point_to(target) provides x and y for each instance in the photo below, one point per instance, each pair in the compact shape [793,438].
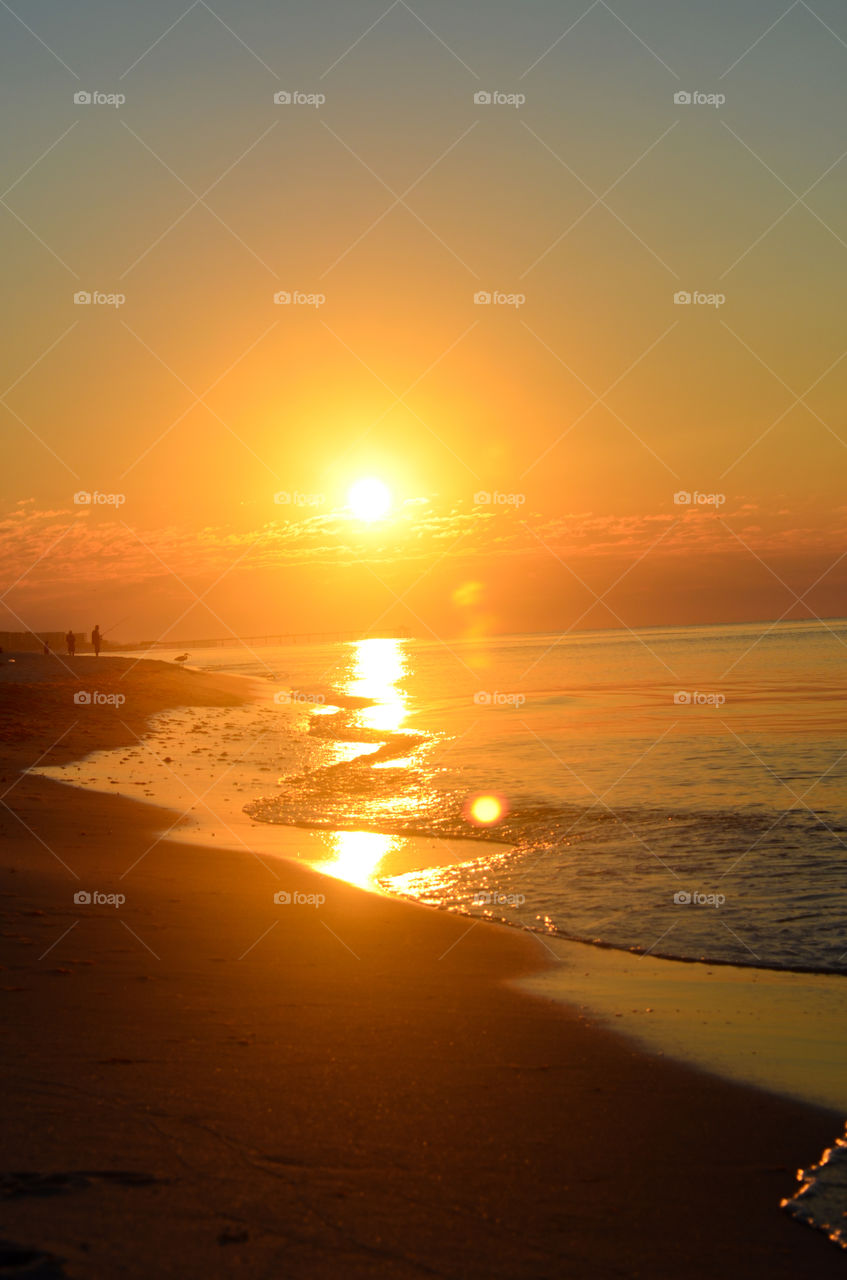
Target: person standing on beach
[95,640]
[70,641]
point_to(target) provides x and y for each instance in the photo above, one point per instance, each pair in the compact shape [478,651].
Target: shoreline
[686,1016]
[733,1022]
[355,1085]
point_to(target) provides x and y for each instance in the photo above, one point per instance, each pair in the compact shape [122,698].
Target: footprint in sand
[35,1264]
[15,1185]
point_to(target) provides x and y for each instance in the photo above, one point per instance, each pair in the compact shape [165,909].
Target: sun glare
[485,810]
[369,499]
[356,856]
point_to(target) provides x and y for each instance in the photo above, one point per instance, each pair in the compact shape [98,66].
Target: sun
[369,499]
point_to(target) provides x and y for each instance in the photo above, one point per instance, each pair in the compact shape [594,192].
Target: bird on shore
[183,657]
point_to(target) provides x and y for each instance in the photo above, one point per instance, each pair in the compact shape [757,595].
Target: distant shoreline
[21,642]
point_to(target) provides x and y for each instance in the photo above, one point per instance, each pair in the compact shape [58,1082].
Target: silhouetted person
[70,641]
[46,648]
[95,640]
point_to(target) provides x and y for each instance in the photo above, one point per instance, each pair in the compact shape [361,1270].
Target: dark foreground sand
[359,1094]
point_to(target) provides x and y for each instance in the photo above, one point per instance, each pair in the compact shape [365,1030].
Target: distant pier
[280,640]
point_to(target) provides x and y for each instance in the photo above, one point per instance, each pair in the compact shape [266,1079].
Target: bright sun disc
[369,499]
[484,811]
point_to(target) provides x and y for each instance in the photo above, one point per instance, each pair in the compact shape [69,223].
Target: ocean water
[678,791]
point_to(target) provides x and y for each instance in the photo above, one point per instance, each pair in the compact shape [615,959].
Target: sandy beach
[202,1081]
[423,776]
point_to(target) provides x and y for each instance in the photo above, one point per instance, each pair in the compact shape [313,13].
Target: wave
[753,886]
[820,1201]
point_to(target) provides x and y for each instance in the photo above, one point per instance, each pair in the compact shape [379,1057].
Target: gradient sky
[399,199]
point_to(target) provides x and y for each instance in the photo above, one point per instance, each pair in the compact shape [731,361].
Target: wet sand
[204,1082]
[783,1031]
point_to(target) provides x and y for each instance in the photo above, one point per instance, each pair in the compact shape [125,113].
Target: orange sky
[585,404]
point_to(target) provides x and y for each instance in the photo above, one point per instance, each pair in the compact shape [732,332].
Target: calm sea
[680,791]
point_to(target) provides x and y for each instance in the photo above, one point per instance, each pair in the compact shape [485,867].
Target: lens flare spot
[486,810]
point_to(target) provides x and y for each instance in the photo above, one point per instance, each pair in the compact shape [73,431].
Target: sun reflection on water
[376,670]
[356,856]
[378,665]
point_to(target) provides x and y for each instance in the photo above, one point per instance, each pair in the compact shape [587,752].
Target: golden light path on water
[377,667]
[356,856]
